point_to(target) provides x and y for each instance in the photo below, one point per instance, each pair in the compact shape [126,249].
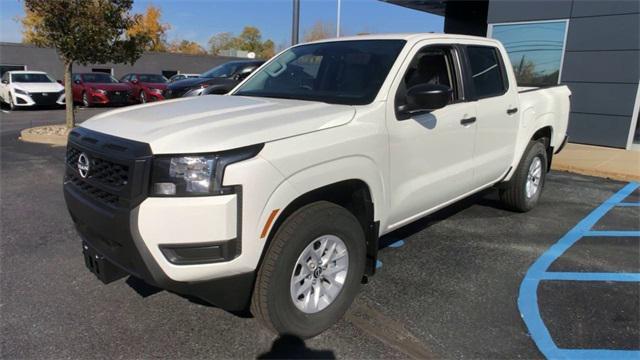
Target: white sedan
[30,88]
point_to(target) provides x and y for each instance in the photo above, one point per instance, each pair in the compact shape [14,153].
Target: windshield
[341,72]
[99,78]
[31,78]
[224,70]
[152,78]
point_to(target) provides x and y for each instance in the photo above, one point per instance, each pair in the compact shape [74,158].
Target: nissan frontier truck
[272,198]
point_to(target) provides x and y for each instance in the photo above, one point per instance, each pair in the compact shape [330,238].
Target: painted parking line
[528,298]
[629,204]
[397,244]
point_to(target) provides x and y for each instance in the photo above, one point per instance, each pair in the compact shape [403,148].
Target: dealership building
[593,47]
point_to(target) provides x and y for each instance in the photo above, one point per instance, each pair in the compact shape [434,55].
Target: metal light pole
[338,21]
[295,27]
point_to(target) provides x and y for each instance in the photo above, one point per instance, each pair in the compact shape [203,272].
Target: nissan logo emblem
[83,165]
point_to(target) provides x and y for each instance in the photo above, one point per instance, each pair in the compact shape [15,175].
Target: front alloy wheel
[311,271]
[143,97]
[85,100]
[319,274]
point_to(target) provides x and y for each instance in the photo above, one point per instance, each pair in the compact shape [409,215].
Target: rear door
[431,154]
[497,112]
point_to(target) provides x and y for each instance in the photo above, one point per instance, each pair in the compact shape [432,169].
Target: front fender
[317,176]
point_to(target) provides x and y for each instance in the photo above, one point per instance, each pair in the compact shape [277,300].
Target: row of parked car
[26,89]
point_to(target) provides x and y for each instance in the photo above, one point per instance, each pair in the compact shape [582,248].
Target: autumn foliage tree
[186,47]
[149,25]
[249,40]
[85,31]
[320,30]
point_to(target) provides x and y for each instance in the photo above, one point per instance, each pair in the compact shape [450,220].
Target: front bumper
[111,97]
[189,246]
[38,99]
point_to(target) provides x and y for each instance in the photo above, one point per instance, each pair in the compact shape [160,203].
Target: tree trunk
[68,94]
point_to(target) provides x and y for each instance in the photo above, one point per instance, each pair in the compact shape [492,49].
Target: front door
[431,154]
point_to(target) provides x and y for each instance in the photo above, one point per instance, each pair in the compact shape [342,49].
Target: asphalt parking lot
[454,285]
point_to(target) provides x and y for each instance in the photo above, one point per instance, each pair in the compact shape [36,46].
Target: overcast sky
[197,20]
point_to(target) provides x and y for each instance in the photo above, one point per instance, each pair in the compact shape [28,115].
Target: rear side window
[486,71]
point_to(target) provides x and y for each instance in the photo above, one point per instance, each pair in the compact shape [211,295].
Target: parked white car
[273,197]
[30,88]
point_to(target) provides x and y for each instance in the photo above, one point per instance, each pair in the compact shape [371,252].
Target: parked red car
[146,87]
[100,89]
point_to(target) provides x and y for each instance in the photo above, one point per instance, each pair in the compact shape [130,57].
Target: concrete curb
[39,135]
[595,172]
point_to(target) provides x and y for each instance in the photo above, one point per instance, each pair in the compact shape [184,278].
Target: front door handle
[512,111]
[468,121]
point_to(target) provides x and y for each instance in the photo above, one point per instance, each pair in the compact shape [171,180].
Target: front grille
[49,98]
[118,96]
[101,170]
[175,93]
[97,194]
[119,169]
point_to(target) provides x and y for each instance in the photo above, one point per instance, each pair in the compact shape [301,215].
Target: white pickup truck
[272,198]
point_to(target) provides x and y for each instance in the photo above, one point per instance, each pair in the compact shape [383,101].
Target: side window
[487,72]
[76,77]
[431,65]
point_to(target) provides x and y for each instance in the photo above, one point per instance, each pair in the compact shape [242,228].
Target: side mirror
[424,98]
[5,81]
[76,81]
[134,81]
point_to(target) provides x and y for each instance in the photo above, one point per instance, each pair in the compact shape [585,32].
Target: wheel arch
[353,194]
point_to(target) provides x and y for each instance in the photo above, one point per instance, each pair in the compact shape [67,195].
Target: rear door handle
[468,121]
[512,111]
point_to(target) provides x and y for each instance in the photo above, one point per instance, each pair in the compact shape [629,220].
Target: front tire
[523,191]
[311,272]
[85,100]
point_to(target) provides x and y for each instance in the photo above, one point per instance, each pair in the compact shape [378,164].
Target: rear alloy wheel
[143,97]
[523,191]
[85,99]
[311,271]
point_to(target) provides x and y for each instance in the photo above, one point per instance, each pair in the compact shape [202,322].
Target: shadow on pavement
[293,347]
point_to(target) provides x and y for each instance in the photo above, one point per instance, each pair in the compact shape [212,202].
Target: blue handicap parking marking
[528,298]
[630,204]
[397,244]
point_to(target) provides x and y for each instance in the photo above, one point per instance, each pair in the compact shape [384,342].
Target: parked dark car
[218,80]
[99,89]
[178,77]
[146,87]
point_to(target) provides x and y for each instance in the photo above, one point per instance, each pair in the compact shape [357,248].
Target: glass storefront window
[535,50]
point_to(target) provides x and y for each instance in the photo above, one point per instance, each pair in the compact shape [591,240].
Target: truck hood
[217,122]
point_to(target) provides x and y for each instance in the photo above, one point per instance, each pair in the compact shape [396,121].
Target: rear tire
[281,277]
[523,191]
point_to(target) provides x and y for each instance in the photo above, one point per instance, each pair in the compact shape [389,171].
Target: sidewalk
[599,161]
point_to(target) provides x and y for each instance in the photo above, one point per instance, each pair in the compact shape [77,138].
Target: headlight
[195,175]
[18,91]
[99,91]
[155,91]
